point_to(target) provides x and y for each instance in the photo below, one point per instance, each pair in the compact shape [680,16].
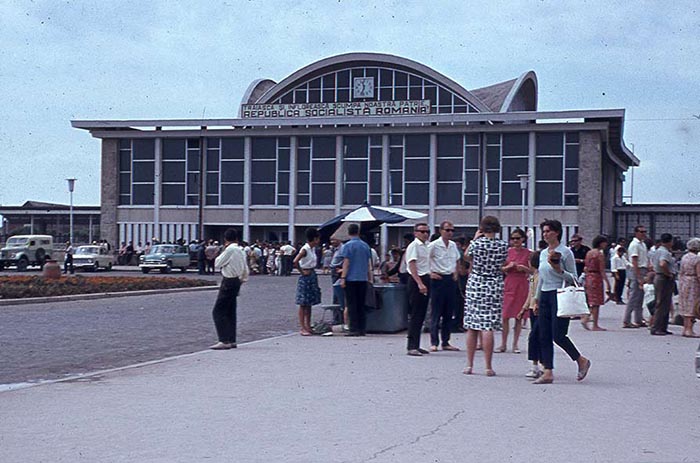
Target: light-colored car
[92,258]
[165,257]
[26,250]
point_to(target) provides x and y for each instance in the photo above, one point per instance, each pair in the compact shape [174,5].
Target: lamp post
[71,187]
[524,178]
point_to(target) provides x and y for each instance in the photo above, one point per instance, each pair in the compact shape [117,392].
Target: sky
[68,60]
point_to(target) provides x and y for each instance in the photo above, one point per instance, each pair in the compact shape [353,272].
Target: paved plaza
[323,399]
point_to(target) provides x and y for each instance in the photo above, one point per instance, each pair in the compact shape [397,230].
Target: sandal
[500,350]
[490,372]
[543,380]
[516,350]
[467,371]
[582,372]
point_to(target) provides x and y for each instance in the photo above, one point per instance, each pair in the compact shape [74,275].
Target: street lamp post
[71,187]
[524,178]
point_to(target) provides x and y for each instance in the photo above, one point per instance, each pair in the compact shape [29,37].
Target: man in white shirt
[418,262]
[443,255]
[287,252]
[639,262]
[234,270]
[618,267]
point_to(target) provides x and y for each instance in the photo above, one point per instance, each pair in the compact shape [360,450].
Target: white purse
[571,302]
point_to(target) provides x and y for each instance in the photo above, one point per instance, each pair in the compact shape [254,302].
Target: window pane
[324,147]
[344,79]
[303,160]
[231,194]
[549,168]
[144,149]
[493,157]
[472,157]
[124,144]
[548,194]
[417,146]
[212,160]
[375,158]
[416,194]
[472,182]
[449,169]
[396,200]
[303,200]
[355,170]
[124,160]
[192,200]
[515,144]
[212,200]
[173,195]
[283,183]
[450,146]
[493,139]
[232,148]
[263,171]
[572,137]
[173,148]
[355,193]
[283,159]
[124,200]
[142,195]
[262,194]
[173,171]
[264,148]
[396,182]
[513,167]
[471,200]
[449,194]
[550,143]
[303,182]
[193,184]
[193,160]
[400,93]
[572,156]
[511,195]
[355,147]
[323,194]
[396,158]
[375,182]
[212,183]
[417,169]
[144,171]
[124,183]
[492,200]
[571,181]
[232,171]
[492,181]
[571,200]
[400,79]
[323,171]
[282,199]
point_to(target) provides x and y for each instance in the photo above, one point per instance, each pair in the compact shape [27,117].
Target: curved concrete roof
[375,59]
[512,95]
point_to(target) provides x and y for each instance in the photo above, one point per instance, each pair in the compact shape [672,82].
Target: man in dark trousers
[418,262]
[665,268]
[234,270]
[354,276]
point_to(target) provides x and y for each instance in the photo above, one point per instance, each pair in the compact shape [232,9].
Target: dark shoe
[669,333]
[658,333]
[414,353]
[423,351]
[629,325]
[352,334]
[582,372]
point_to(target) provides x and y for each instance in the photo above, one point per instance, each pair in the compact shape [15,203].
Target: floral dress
[689,286]
[484,295]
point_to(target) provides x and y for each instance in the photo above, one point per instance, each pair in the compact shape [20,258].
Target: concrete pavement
[322,399]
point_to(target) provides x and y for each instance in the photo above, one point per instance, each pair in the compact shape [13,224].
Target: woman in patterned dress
[308,291]
[516,287]
[484,295]
[689,287]
[596,280]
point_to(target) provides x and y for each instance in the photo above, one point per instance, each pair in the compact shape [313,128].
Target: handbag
[571,302]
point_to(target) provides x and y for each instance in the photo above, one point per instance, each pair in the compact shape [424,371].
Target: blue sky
[63,60]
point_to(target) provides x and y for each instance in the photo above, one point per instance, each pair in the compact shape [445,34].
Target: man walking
[418,262]
[665,268]
[234,270]
[579,250]
[355,273]
[444,255]
[639,261]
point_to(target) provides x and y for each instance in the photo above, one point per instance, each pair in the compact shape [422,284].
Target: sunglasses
[423,231]
[449,230]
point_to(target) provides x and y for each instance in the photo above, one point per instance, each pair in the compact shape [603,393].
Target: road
[54,340]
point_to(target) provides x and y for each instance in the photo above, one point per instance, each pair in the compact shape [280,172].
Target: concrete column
[247,163]
[109,195]
[293,149]
[384,230]
[338,173]
[590,179]
[432,187]
[90,228]
[157,181]
[531,166]
[31,224]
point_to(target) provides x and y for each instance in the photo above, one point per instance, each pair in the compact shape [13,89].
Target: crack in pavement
[432,432]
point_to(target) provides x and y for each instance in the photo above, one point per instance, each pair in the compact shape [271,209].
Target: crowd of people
[485,284]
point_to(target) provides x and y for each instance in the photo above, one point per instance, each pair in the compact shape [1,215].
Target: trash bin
[392,314]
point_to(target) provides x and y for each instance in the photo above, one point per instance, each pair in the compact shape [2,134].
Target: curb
[85,297]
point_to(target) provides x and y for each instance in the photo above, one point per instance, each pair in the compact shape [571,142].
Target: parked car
[165,257]
[26,250]
[92,258]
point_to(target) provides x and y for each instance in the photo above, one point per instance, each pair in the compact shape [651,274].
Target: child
[533,340]
[308,291]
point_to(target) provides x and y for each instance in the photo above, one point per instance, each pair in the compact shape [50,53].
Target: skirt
[308,291]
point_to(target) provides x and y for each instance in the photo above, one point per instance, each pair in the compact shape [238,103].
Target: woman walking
[557,266]
[484,295]
[515,289]
[595,281]
[689,287]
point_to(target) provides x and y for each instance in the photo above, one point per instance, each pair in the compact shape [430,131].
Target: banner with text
[357,108]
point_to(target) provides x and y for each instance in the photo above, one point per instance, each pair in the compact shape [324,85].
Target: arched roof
[512,95]
[367,59]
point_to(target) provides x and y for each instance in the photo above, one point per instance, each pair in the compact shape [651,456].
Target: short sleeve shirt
[418,251]
[358,254]
[663,254]
[443,258]
[639,249]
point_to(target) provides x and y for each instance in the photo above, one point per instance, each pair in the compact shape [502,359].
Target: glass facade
[460,160]
[387,85]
